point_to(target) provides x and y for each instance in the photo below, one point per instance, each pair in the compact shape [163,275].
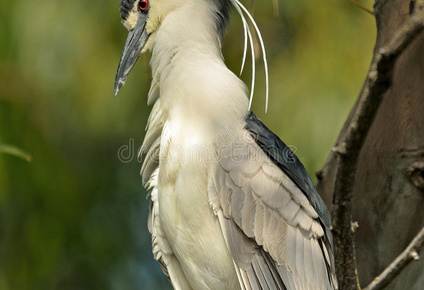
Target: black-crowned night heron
[231,206]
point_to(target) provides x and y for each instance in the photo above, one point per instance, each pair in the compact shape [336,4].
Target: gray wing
[275,234]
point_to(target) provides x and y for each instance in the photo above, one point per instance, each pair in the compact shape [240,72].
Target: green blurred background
[75,216]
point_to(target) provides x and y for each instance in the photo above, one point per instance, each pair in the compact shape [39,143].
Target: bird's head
[142,18]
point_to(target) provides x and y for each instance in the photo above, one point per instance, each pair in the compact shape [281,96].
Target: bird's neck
[189,74]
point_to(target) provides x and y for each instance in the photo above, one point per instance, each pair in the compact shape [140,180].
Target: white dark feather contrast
[231,207]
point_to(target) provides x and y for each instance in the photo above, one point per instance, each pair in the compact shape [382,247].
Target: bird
[231,206]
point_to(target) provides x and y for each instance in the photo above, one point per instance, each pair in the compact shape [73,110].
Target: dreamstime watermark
[238,153]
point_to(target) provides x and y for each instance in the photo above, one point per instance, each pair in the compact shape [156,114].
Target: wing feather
[249,208]
[272,230]
[239,179]
[258,222]
[237,202]
[256,270]
[308,262]
[300,245]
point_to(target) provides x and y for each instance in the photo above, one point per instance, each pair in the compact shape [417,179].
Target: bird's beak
[137,38]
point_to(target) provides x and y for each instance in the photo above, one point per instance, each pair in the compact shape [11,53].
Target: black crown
[125,8]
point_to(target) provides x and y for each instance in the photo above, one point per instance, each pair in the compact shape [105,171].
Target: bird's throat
[189,73]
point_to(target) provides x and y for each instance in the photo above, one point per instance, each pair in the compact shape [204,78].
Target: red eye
[143,5]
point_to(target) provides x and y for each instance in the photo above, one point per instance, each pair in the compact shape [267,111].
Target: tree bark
[388,191]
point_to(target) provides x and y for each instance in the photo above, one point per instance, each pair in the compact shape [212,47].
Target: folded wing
[278,238]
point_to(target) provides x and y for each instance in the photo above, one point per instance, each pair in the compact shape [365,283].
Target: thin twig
[377,84]
[362,7]
[410,254]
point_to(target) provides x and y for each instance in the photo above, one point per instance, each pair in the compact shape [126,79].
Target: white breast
[193,231]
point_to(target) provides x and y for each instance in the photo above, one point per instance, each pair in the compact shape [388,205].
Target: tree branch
[377,84]
[403,260]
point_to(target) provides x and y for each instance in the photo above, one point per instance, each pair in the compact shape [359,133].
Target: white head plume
[248,37]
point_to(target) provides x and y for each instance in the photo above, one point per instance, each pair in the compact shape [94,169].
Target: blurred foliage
[75,217]
[12,150]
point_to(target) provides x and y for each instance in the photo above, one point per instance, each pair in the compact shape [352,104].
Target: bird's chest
[190,226]
[186,159]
